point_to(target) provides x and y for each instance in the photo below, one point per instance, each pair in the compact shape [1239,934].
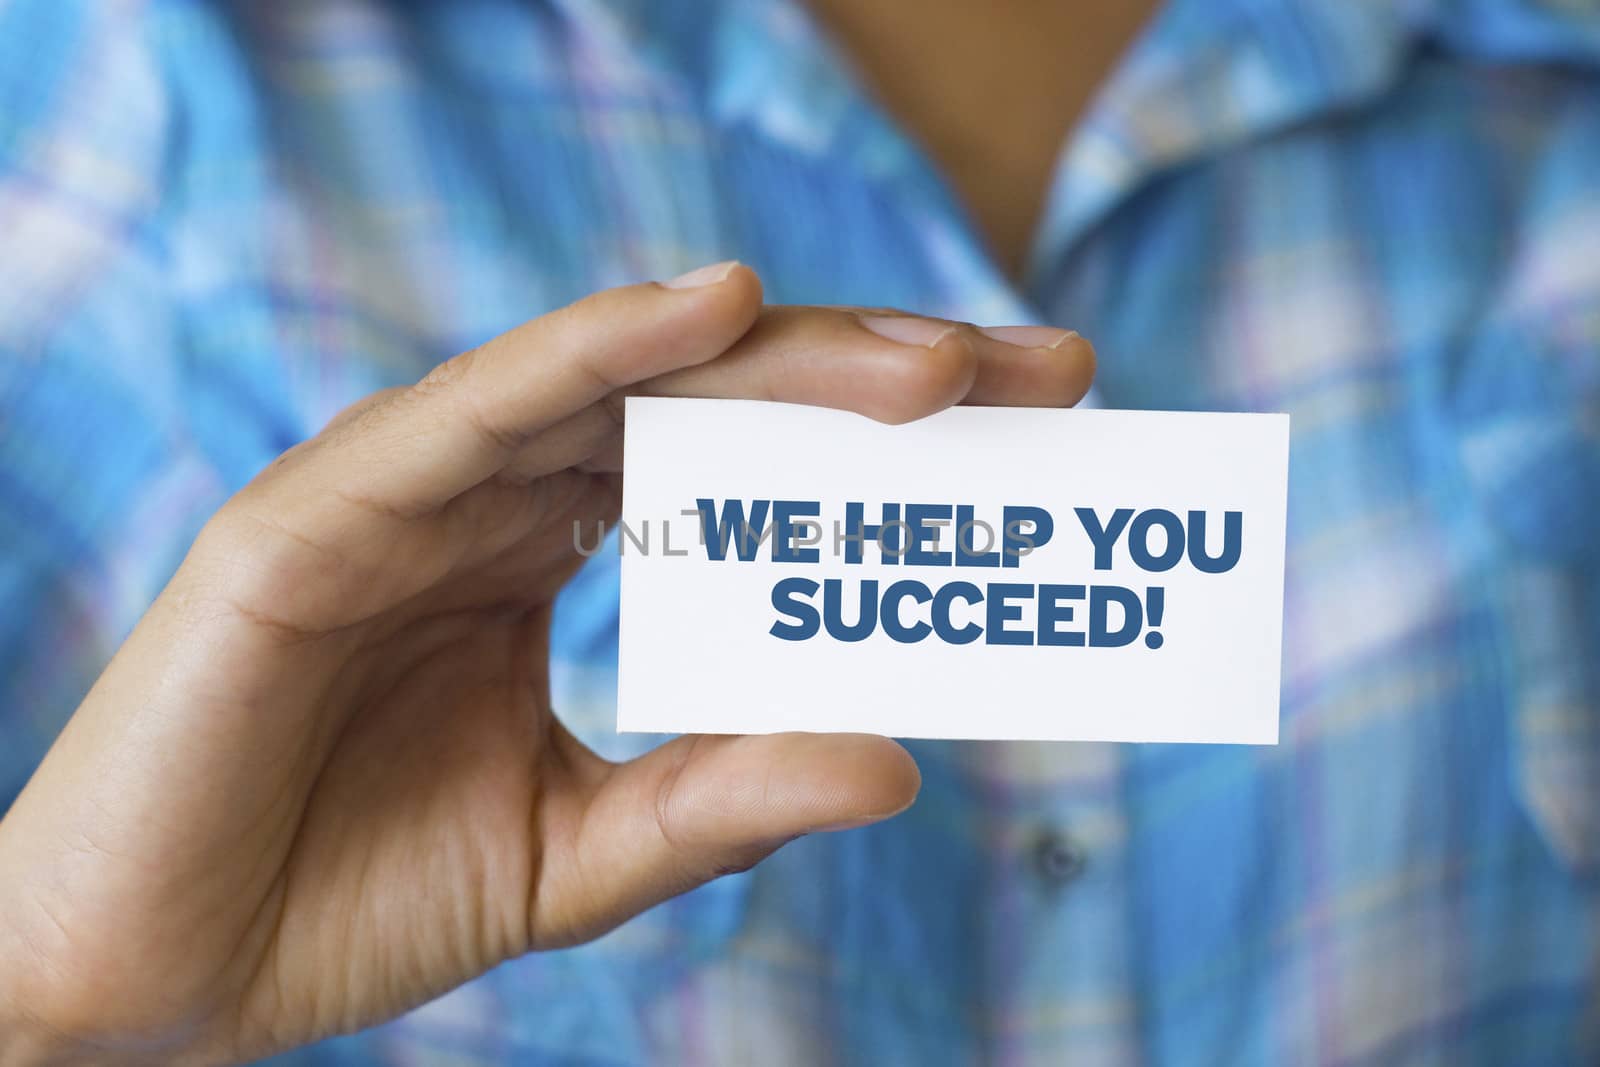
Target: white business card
[1001,573]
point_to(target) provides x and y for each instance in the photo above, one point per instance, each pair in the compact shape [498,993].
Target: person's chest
[1411,285]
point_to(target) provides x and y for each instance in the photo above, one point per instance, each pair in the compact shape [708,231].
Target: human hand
[321,782]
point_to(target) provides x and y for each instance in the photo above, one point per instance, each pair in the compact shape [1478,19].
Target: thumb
[702,806]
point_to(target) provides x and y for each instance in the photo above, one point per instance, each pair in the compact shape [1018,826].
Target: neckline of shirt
[1202,76]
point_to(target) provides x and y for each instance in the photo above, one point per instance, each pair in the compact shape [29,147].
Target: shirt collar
[1209,74]
[1204,75]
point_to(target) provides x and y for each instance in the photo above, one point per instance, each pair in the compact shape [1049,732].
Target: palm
[423,837]
[432,839]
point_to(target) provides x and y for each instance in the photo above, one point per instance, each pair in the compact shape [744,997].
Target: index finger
[412,453]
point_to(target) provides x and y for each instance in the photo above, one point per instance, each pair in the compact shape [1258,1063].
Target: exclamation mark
[1154,601]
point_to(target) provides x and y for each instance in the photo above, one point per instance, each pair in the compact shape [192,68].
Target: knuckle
[449,374]
[458,381]
[358,411]
[283,464]
[504,435]
[247,565]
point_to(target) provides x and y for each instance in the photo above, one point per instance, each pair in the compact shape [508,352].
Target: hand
[321,782]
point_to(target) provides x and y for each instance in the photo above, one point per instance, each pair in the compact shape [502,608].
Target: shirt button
[1057,859]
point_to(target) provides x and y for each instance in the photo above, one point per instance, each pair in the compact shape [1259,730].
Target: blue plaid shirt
[219,223]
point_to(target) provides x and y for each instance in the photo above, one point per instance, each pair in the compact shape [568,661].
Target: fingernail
[710,274]
[907,330]
[1029,336]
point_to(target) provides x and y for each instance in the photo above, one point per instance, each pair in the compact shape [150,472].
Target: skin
[321,782]
[990,90]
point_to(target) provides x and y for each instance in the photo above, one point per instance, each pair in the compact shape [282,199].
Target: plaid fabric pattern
[221,222]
